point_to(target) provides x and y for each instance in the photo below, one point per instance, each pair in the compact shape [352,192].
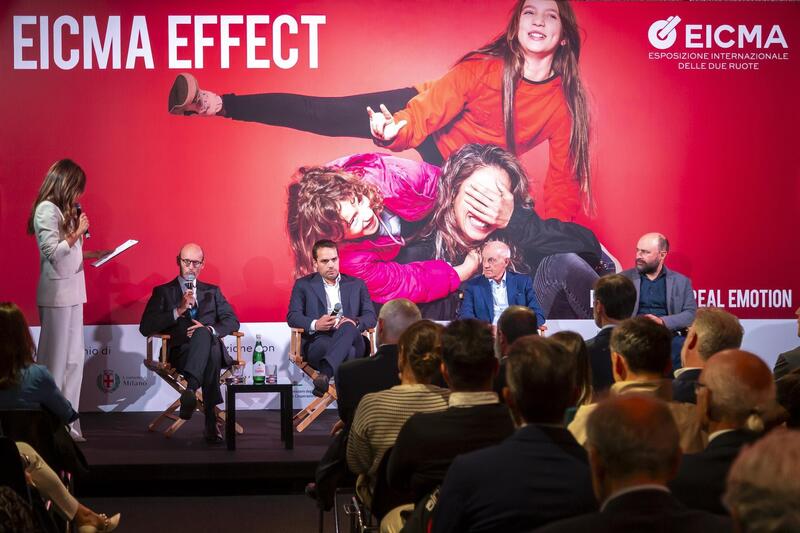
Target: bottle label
[259,369]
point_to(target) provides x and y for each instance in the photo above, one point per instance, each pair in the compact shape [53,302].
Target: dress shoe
[213,435]
[188,404]
[186,98]
[106,524]
[320,385]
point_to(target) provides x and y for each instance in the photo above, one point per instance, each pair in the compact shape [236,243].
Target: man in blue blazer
[486,296]
[333,309]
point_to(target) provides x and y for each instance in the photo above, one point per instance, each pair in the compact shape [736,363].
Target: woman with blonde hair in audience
[25,385]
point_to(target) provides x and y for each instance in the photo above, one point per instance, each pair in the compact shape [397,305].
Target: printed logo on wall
[108,381]
[662,33]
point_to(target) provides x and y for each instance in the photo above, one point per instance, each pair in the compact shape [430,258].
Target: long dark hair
[565,64]
[450,242]
[62,185]
[16,345]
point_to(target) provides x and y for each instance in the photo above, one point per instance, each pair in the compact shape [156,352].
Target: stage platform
[127,460]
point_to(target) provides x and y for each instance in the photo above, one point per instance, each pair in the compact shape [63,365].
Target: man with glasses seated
[196,316]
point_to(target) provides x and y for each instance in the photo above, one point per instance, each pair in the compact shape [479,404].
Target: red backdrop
[708,157]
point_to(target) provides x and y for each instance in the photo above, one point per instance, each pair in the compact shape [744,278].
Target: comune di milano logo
[108,381]
[664,33]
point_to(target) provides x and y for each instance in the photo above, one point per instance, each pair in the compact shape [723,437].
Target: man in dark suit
[361,376]
[712,331]
[537,475]
[634,451]
[515,322]
[614,300]
[665,296]
[333,309]
[428,442]
[196,316]
[790,360]
[735,390]
[489,294]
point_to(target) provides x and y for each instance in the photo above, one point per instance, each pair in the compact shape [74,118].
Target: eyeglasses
[191,262]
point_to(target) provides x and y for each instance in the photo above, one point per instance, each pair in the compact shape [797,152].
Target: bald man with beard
[734,393]
[663,295]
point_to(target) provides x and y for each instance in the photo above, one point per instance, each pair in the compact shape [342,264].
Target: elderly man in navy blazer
[488,295]
[333,309]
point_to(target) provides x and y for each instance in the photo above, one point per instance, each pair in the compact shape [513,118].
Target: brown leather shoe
[186,98]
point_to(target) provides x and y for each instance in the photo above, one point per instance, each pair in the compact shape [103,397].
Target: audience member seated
[788,361]
[538,475]
[16,516]
[734,391]
[640,356]
[576,348]
[487,295]
[515,322]
[23,384]
[428,442]
[712,331]
[40,476]
[634,452]
[614,301]
[789,397]
[372,374]
[380,415]
[763,485]
[355,379]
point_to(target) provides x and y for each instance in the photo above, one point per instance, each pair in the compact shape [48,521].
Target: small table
[285,390]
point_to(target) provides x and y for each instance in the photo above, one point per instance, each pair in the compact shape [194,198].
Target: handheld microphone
[79,211]
[336,309]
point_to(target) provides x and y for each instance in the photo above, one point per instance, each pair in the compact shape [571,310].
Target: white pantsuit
[60,295]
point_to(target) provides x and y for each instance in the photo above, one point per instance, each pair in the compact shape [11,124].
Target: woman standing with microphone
[60,227]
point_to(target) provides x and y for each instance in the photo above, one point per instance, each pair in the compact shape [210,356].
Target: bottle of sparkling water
[259,368]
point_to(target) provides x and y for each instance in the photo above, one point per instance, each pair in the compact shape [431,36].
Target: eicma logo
[108,381]
[664,33]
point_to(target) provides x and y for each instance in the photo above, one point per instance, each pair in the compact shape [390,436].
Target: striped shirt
[378,420]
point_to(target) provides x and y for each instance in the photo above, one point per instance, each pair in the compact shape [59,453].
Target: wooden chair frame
[306,416]
[174,379]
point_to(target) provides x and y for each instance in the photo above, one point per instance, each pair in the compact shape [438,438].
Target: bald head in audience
[735,391]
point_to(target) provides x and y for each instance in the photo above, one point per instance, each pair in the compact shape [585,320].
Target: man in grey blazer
[665,296]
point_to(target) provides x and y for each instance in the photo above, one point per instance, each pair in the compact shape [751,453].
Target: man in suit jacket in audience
[539,474]
[486,296]
[634,451]
[475,418]
[379,372]
[640,356]
[515,322]
[735,390]
[196,316]
[790,360]
[334,310]
[614,300]
[712,331]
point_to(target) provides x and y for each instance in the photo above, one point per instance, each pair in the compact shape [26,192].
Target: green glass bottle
[259,366]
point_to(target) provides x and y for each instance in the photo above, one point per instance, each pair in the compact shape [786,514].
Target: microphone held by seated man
[329,338]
